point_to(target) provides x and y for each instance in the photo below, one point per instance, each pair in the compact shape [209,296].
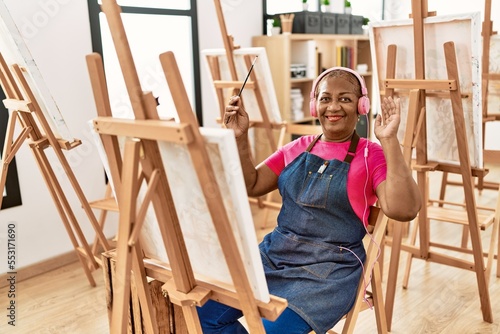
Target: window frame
[95,29]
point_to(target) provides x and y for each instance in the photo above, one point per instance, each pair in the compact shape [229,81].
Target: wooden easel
[416,136]
[142,157]
[236,84]
[36,131]
[491,156]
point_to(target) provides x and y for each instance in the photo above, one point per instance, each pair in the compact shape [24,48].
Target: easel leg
[409,259]
[468,183]
[124,252]
[64,209]
[392,278]
[54,183]
[147,311]
[498,253]
[101,221]
[491,248]
[192,320]
[84,202]
[378,299]
[444,182]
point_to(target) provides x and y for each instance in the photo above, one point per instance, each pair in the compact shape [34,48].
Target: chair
[377,224]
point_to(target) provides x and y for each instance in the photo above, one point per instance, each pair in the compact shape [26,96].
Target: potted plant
[365,25]
[305,5]
[325,6]
[347,7]
[276,26]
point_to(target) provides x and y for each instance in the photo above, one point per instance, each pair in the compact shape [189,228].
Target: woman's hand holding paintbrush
[235,117]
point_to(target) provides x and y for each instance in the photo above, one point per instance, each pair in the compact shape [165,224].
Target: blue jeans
[217,318]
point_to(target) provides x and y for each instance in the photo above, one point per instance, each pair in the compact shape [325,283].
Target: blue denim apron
[308,258]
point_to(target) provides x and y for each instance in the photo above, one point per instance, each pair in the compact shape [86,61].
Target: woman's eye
[344,99]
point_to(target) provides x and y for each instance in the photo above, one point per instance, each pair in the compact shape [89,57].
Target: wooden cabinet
[320,51]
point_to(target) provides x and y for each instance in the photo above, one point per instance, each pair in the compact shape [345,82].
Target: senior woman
[313,257]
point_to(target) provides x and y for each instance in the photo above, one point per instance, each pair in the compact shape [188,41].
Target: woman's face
[337,106]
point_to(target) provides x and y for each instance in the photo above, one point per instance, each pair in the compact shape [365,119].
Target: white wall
[58,35]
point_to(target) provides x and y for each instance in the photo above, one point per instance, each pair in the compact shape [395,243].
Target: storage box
[168,315]
[343,24]
[328,23]
[356,24]
[298,71]
[307,23]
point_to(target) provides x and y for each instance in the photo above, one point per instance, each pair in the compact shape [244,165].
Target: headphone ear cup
[312,107]
[363,105]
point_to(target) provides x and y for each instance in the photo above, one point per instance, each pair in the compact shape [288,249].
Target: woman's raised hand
[387,122]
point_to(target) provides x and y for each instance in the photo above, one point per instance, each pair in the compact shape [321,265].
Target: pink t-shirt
[360,184]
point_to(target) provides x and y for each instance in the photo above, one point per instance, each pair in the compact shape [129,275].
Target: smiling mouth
[334,118]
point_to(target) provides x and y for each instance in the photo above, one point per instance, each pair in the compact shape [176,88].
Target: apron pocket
[315,189]
[320,270]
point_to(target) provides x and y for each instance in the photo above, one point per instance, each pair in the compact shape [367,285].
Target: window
[152,27]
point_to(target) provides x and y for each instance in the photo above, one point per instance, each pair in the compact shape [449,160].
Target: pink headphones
[363,102]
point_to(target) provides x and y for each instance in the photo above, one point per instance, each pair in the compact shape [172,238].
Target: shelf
[319,37]
[301,80]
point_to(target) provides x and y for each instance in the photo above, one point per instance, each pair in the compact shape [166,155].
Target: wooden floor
[439,299]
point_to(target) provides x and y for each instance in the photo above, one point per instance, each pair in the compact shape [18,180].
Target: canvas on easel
[15,51]
[262,75]
[417,85]
[200,236]
[464,30]
[490,77]
[490,95]
[228,74]
[143,162]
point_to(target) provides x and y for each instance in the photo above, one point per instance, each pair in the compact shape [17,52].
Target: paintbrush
[244,82]
[248,75]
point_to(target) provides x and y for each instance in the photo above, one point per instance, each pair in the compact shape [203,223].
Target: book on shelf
[345,56]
